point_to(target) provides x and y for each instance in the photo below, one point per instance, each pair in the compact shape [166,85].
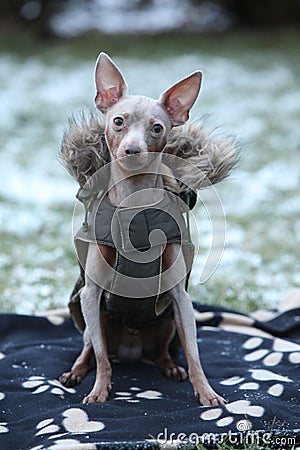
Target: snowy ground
[254,94]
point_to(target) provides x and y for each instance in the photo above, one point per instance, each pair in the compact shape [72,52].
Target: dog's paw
[70,379]
[96,397]
[176,373]
[209,398]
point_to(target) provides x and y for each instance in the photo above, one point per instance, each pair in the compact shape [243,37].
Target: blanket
[252,361]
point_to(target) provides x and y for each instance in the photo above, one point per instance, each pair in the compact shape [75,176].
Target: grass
[34,280]
[22,42]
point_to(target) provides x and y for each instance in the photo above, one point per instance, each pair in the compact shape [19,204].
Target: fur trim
[214,154]
[83,148]
[84,151]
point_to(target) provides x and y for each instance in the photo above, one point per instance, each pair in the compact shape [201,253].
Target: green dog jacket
[138,234]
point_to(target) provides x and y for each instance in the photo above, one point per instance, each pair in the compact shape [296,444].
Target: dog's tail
[84,151]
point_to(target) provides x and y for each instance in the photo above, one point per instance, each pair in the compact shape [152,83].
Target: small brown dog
[137,127]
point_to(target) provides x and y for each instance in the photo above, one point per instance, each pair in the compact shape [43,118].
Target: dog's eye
[118,121]
[157,128]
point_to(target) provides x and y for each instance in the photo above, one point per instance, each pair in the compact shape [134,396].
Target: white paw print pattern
[270,358]
[274,357]
[75,421]
[3,427]
[40,384]
[239,407]
[46,427]
[135,395]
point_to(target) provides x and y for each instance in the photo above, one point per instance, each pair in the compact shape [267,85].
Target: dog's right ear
[110,83]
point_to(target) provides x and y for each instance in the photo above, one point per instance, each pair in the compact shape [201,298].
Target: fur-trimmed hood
[84,151]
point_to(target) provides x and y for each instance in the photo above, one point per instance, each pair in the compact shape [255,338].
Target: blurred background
[249,52]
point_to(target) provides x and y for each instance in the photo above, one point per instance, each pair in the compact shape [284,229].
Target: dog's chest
[138,237]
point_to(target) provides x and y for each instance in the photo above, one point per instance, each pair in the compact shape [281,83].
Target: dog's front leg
[90,303]
[186,328]
[186,325]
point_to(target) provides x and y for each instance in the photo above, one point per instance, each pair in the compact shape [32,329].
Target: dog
[137,127]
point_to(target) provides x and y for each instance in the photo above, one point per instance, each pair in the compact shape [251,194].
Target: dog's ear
[179,98]
[110,83]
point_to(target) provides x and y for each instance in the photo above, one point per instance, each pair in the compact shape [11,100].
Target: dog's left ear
[179,98]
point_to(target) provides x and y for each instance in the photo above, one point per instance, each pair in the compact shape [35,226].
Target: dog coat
[138,234]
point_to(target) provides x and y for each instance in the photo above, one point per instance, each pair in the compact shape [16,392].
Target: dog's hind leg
[81,366]
[163,359]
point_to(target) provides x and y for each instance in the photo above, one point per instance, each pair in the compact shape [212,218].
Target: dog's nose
[132,150]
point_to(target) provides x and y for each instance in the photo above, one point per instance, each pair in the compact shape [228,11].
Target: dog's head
[137,125]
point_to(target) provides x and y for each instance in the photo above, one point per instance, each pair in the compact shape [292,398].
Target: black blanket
[253,363]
